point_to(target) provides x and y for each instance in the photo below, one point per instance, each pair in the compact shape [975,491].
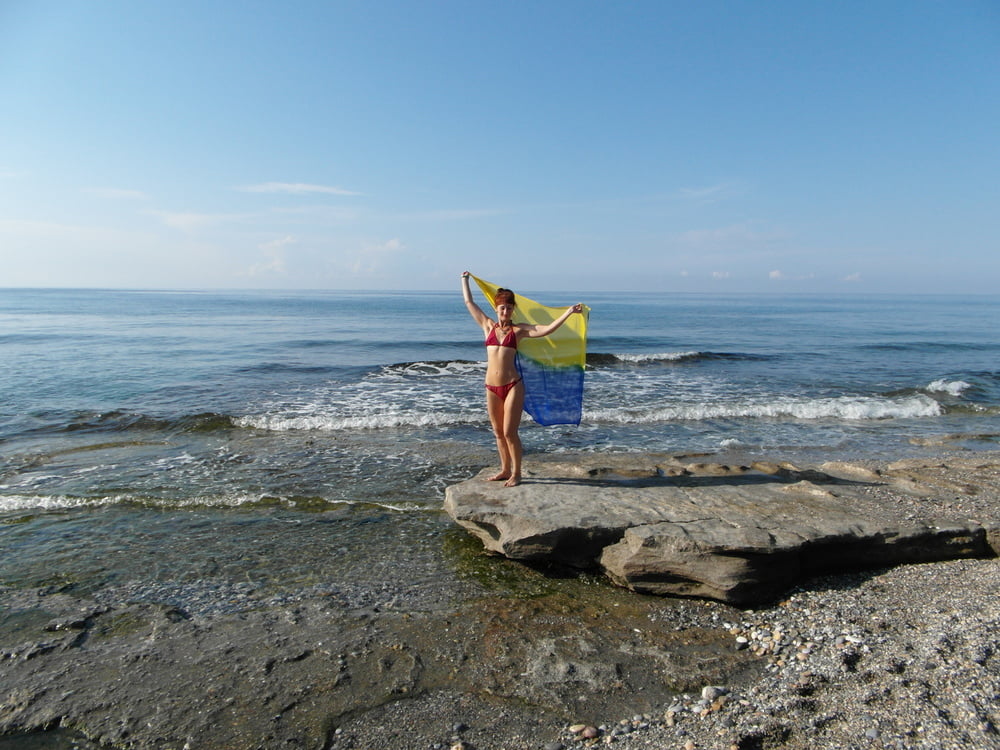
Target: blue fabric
[551,395]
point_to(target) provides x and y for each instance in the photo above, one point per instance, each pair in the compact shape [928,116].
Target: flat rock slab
[667,525]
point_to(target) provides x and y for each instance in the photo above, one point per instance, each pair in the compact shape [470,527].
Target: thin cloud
[373,258]
[782,276]
[189,222]
[853,277]
[323,214]
[703,193]
[456,214]
[117,193]
[274,258]
[52,230]
[737,236]
[296,188]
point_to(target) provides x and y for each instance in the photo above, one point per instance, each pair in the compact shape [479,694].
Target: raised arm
[474,310]
[537,331]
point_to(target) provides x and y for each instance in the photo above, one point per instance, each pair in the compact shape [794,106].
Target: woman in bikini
[504,389]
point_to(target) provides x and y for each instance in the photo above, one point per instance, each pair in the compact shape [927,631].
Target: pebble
[882,627]
[712,692]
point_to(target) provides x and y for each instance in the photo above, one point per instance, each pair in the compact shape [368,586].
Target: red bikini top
[510,340]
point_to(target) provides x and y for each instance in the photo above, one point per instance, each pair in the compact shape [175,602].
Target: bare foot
[499,477]
[512,482]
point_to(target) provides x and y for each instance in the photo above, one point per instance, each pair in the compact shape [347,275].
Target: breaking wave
[847,408]
[325,422]
[951,387]
[598,359]
[41,503]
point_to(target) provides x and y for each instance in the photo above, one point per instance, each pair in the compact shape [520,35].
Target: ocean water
[227,450]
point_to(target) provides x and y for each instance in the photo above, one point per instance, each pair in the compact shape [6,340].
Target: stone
[712,692]
[734,533]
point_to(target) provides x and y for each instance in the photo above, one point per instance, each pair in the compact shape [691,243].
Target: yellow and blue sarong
[552,366]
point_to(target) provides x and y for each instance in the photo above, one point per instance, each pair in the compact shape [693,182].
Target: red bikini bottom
[502,390]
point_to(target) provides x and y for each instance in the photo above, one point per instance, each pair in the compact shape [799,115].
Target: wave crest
[598,359]
[330,423]
[42,503]
[849,408]
[951,387]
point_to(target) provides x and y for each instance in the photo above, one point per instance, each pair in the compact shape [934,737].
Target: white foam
[331,423]
[92,469]
[951,387]
[183,458]
[22,503]
[427,370]
[42,502]
[662,357]
[17,503]
[850,408]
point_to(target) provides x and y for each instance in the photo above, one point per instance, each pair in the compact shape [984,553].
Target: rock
[712,692]
[736,534]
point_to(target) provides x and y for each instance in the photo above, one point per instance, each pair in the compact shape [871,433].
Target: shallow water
[296,439]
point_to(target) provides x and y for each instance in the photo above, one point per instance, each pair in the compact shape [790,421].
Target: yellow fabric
[565,347]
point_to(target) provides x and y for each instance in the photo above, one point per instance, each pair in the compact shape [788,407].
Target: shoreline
[903,657]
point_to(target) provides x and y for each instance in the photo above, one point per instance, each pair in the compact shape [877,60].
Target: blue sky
[779,147]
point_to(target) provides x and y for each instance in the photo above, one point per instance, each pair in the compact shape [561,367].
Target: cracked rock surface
[742,534]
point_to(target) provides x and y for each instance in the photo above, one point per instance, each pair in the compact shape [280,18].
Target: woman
[504,389]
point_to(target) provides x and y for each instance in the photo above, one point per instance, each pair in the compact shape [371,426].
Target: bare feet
[499,477]
[512,482]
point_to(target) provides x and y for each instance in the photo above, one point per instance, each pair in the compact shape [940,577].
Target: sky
[667,146]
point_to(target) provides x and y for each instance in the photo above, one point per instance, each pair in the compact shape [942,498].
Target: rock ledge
[662,524]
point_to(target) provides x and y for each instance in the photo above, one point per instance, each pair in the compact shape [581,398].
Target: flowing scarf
[551,366]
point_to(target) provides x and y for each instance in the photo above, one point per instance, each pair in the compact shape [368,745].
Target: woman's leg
[513,407]
[495,408]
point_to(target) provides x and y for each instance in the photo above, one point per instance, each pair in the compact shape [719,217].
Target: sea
[226,450]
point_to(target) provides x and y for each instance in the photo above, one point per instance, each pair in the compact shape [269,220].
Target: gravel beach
[907,657]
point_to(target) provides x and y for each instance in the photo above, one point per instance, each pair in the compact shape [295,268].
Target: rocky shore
[905,657]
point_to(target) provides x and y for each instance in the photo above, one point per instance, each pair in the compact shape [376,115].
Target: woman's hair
[504,296]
